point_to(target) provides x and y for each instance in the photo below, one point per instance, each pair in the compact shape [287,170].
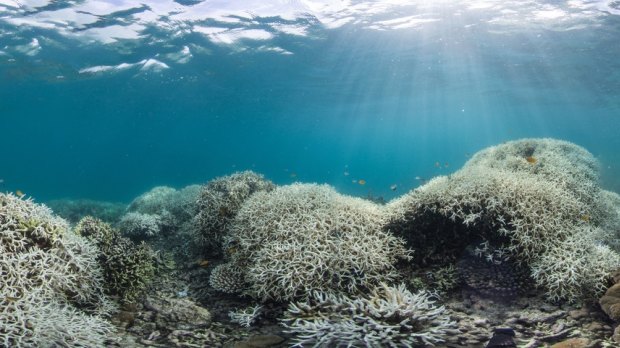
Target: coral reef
[153,201]
[537,199]
[128,268]
[220,200]
[164,217]
[228,278]
[246,317]
[139,226]
[387,317]
[162,210]
[305,237]
[50,281]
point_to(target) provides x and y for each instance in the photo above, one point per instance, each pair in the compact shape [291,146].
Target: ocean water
[106,99]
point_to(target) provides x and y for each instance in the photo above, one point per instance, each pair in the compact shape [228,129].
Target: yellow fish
[361,182]
[19,193]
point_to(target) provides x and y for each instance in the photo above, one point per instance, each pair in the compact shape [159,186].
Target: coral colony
[331,270]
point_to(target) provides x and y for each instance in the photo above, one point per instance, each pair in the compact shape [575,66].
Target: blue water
[370,99]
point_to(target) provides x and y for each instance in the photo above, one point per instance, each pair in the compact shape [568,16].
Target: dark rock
[502,337]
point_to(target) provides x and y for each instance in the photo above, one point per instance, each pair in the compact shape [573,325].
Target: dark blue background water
[383,106]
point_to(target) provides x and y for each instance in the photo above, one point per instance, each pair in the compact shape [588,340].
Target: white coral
[539,198]
[246,317]
[303,237]
[387,317]
[140,226]
[47,276]
[220,200]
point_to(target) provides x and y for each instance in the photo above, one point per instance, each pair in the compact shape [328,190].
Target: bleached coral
[568,166]
[51,284]
[387,317]
[228,278]
[140,226]
[153,201]
[246,317]
[219,202]
[530,198]
[576,266]
[305,237]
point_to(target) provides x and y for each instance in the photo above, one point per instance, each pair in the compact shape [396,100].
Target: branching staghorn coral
[50,281]
[220,200]
[139,226]
[153,201]
[163,211]
[246,317]
[305,237]
[387,317]
[536,199]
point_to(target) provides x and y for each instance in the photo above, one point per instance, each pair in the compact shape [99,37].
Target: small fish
[446,165]
[585,218]
[293,175]
[393,187]
[418,178]
[346,173]
[437,164]
[11,298]
[361,182]
[531,159]
[354,181]
[1,181]
[19,193]
[203,263]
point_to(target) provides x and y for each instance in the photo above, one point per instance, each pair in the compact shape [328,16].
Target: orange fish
[361,182]
[531,159]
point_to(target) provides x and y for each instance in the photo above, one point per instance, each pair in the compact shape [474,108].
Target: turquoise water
[106,101]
